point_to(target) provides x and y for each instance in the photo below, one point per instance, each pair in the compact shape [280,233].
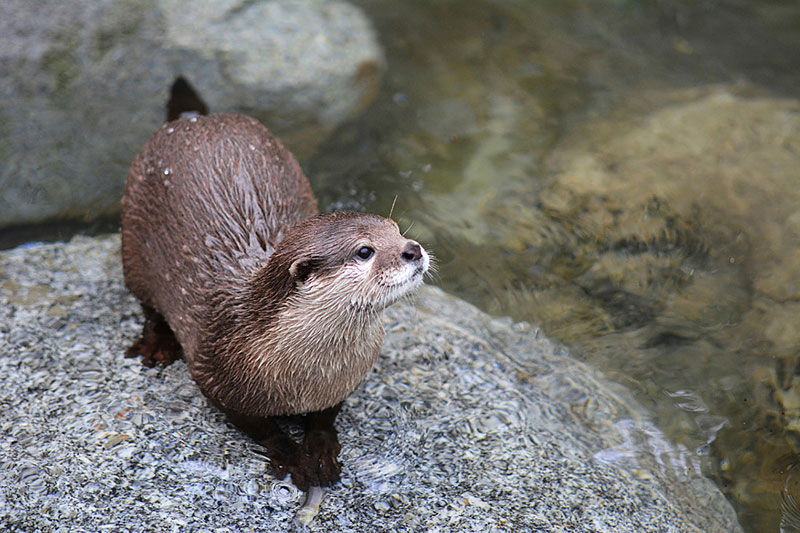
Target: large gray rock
[467,423]
[84,83]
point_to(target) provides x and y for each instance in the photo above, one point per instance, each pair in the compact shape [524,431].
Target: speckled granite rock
[84,83]
[467,423]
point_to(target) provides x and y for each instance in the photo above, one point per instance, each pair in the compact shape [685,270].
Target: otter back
[205,204]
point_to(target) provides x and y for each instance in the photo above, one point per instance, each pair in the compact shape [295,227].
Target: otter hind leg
[157,345]
[312,463]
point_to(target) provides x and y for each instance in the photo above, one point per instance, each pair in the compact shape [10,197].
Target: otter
[276,308]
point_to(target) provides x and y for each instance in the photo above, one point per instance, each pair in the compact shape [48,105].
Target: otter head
[353,262]
[307,326]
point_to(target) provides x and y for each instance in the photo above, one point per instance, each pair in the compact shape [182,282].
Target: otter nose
[413,252]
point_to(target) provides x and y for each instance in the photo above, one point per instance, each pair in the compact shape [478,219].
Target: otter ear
[302,267]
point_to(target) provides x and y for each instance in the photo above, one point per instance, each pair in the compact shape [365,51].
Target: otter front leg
[321,446]
[284,454]
[158,344]
[314,463]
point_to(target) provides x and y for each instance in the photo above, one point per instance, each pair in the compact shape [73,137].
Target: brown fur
[277,309]
[220,236]
[198,213]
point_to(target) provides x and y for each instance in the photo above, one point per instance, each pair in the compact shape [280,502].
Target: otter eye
[365,252]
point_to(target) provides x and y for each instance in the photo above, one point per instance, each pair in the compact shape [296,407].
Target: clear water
[489,109]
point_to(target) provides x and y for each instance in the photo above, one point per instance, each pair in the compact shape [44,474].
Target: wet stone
[468,423]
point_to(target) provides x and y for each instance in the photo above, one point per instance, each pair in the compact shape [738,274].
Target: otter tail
[184,101]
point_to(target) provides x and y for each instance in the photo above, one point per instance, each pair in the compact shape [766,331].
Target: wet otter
[277,308]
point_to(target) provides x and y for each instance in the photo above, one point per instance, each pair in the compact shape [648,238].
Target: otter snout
[416,260]
[413,252]
[415,256]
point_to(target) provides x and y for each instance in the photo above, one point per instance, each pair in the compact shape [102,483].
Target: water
[622,174]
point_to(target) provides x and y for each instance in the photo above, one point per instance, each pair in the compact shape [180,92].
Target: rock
[85,82]
[466,422]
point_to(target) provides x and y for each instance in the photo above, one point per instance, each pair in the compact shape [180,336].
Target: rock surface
[84,83]
[467,423]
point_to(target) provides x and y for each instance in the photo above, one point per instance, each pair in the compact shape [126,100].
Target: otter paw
[321,450]
[286,457]
[143,349]
[154,353]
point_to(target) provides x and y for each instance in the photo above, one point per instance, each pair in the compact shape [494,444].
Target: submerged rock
[693,210]
[466,423]
[663,242]
[84,84]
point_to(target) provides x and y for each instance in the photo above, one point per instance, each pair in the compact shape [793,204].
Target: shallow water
[623,174]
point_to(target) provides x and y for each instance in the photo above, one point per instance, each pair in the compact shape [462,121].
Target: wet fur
[254,340]
[198,217]
[302,342]
[223,246]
